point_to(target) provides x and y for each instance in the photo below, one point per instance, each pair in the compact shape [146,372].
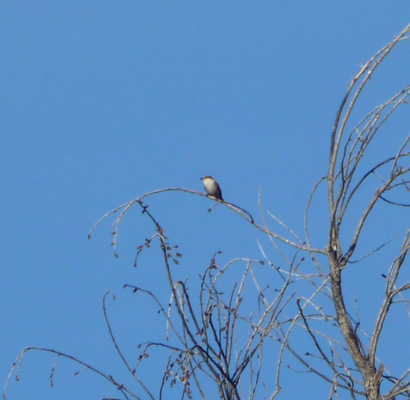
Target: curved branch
[109,378]
[126,207]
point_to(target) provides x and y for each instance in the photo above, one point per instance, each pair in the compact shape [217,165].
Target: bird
[212,188]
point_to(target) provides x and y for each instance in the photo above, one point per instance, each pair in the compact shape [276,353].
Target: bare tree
[346,179]
[227,335]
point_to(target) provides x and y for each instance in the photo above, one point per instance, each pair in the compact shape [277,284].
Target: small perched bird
[211,187]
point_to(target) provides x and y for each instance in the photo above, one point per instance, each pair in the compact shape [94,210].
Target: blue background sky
[104,101]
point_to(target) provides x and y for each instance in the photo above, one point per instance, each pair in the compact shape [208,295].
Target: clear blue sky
[104,101]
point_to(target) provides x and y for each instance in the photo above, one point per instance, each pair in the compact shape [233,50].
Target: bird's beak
[201,179]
